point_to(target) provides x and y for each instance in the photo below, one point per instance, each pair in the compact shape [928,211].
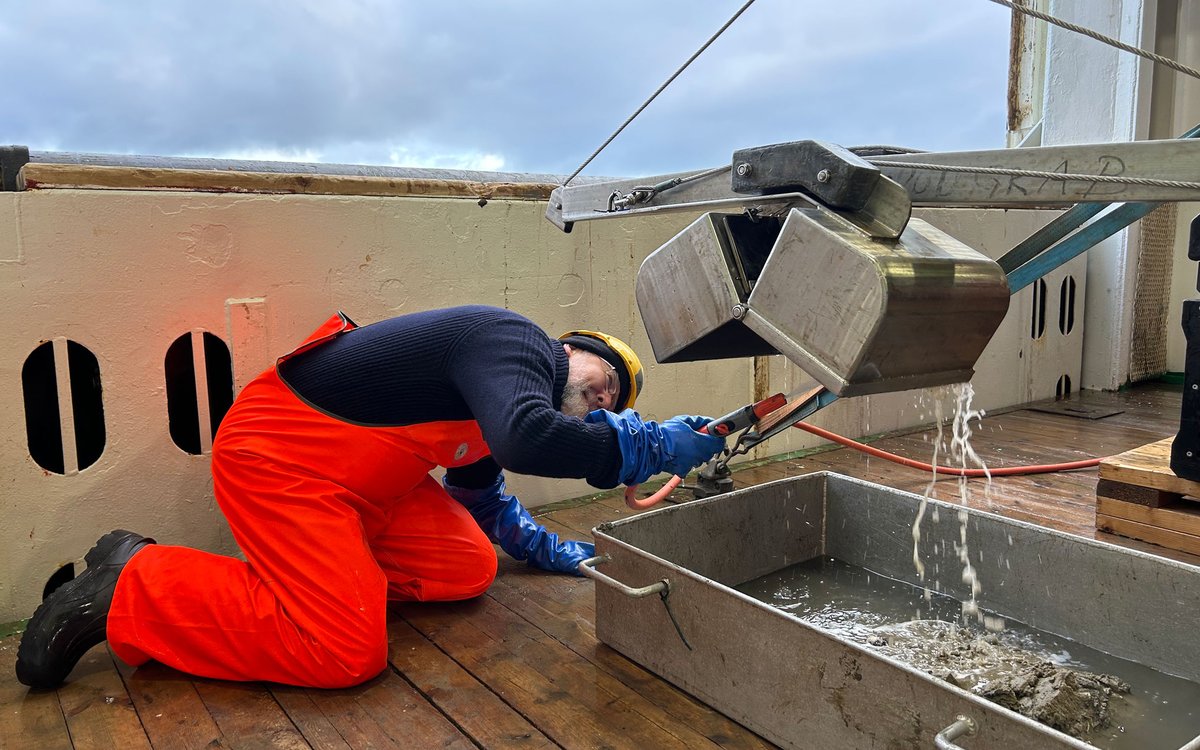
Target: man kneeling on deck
[321,468]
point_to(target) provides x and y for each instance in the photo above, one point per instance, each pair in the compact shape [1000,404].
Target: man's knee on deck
[354,666]
[483,566]
[355,646]
[473,571]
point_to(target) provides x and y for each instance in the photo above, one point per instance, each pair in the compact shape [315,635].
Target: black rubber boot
[71,620]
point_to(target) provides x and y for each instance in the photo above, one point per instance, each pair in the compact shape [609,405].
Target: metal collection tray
[801,687]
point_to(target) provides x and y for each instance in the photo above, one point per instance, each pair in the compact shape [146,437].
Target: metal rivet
[823,175]
[739,311]
[744,169]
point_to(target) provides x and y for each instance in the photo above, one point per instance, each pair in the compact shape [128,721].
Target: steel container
[860,314]
[801,687]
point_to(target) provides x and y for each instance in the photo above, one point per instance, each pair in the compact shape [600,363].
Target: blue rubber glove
[648,447]
[507,523]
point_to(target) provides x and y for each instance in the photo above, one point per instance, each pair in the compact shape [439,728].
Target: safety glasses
[612,383]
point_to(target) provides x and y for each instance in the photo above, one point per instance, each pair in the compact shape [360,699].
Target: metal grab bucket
[860,314]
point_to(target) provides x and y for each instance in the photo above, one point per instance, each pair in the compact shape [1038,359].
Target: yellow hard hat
[618,354]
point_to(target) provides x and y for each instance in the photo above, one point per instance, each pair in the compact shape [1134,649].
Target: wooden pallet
[1138,496]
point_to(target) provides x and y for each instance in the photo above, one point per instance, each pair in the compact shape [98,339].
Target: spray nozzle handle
[739,419]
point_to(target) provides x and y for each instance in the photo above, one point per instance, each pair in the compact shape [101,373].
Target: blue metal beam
[1036,243]
[1046,249]
[1078,243]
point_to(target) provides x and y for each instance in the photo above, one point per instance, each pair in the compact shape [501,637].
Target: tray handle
[588,568]
[662,588]
[962,726]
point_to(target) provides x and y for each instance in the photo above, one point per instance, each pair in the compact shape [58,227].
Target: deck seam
[437,707]
[617,699]
[128,694]
[477,679]
[267,689]
[66,721]
[334,725]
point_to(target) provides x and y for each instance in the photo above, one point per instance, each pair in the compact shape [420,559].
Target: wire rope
[1015,7]
[1173,64]
[659,90]
[1062,176]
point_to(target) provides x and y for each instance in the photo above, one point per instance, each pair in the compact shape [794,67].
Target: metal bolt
[823,175]
[744,169]
[739,311]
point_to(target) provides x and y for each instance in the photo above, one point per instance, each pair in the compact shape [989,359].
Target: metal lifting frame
[1051,247]
[740,280]
[805,174]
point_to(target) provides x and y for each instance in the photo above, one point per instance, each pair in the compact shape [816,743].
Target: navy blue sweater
[474,362]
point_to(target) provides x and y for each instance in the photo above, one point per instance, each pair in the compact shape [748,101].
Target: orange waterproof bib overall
[334,519]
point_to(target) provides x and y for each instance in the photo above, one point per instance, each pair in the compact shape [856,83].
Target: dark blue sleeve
[505,371]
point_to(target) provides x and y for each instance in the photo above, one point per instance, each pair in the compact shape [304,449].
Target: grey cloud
[536,84]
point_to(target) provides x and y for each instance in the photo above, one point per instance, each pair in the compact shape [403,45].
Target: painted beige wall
[126,272]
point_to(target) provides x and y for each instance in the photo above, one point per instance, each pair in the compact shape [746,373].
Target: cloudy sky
[517,86]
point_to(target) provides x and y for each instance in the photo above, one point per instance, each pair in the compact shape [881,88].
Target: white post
[1094,93]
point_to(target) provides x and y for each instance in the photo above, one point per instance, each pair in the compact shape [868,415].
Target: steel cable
[659,90]
[1062,176]
[1173,64]
[1015,7]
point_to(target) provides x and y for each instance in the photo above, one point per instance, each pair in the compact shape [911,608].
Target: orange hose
[1006,471]
[631,498]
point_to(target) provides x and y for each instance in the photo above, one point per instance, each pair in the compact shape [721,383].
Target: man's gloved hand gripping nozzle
[648,448]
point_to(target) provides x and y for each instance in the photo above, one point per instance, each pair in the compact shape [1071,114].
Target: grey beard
[573,402]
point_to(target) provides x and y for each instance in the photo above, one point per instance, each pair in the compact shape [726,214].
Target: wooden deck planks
[249,717]
[100,714]
[521,666]
[471,704]
[565,696]
[564,608]
[385,712]
[31,719]
[306,715]
[169,707]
